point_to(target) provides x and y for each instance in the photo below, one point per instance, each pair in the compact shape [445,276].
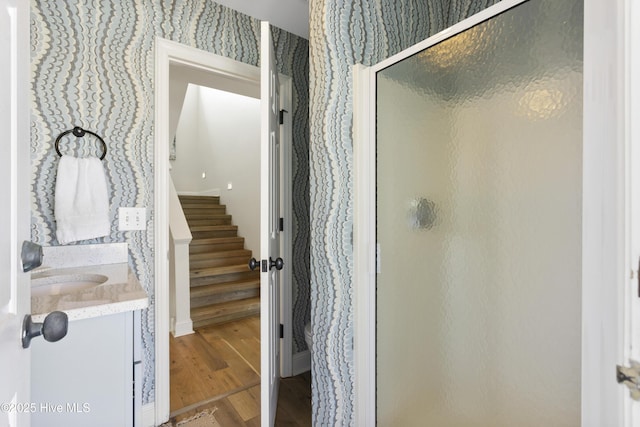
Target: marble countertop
[116,289]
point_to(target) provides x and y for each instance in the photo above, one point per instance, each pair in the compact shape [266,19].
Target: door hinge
[630,377]
[638,278]
[281,330]
[281,116]
[281,224]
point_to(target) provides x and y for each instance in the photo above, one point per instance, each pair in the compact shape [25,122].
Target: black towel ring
[79,132]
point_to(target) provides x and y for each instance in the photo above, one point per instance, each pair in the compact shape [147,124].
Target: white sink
[62,284]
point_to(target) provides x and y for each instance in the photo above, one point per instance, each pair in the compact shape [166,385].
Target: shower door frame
[607,249]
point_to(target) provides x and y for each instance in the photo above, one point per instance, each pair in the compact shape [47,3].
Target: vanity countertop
[118,291]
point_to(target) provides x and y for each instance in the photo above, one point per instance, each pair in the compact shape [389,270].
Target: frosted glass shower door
[479,184]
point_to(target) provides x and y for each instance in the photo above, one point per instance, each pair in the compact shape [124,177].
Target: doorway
[215,168]
[232,76]
[459,202]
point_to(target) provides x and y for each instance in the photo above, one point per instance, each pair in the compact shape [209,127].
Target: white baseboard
[184,327]
[301,362]
[149,415]
[210,192]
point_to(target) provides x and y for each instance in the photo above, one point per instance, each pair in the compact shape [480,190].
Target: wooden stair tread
[214,271]
[221,254]
[225,227]
[224,292]
[208,222]
[202,260]
[211,204]
[222,287]
[217,240]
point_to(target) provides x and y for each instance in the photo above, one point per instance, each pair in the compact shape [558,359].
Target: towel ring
[79,132]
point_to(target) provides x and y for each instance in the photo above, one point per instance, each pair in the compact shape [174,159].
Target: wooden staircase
[222,286]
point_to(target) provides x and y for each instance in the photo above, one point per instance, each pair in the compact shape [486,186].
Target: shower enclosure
[478,223]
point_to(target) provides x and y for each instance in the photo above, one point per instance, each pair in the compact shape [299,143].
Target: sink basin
[61,284]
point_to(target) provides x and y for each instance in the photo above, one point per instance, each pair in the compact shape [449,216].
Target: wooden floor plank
[246,404]
[226,414]
[294,403]
[216,368]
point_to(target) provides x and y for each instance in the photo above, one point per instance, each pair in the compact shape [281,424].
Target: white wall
[218,135]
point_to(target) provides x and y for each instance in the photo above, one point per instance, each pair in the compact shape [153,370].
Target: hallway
[219,367]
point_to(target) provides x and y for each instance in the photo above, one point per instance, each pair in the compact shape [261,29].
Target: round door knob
[253,264]
[53,329]
[278,263]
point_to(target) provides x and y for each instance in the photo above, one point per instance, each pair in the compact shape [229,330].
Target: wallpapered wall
[342,33]
[93,66]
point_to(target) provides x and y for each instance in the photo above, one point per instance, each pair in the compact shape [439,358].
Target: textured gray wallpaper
[93,66]
[342,33]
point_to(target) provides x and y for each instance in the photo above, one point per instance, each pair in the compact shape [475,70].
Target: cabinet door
[86,378]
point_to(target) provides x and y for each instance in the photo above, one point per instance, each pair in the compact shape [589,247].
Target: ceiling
[290,15]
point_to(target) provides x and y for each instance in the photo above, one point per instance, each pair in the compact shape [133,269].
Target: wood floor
[219,367]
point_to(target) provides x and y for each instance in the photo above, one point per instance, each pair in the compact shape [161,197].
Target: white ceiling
[290,15]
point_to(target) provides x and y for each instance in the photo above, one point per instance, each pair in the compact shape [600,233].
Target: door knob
[278,263]
[31,256]
[53,329]
[253,264]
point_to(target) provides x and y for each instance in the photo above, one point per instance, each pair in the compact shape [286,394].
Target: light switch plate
[132,219]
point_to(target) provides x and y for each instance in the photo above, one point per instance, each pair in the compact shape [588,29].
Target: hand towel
[81,200]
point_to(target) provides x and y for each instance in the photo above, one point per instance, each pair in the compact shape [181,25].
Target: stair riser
[223,315]
[205,216]
[205,291]
[199,199]
[222,220]
[223,278]
[203,213]
[244,253]
[199,249]
[218,262]
[213,234]
[225,297]
[225,319]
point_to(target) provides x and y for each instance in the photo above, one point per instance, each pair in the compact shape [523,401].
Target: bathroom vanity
[91,375]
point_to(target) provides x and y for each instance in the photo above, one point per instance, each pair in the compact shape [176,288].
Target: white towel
[81,204]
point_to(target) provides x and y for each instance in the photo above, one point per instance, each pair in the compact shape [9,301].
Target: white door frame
[15,294]
[246,77]
[604,173]
[632,229]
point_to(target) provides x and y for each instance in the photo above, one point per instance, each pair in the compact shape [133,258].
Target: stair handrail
[178,226]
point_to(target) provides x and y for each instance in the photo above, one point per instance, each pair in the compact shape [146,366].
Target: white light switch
[132,218]
[229,185]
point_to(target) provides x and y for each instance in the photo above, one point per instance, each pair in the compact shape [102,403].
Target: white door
[14,216]
[269,229]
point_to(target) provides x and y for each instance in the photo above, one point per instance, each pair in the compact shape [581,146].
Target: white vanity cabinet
[88,377]
[92,376]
